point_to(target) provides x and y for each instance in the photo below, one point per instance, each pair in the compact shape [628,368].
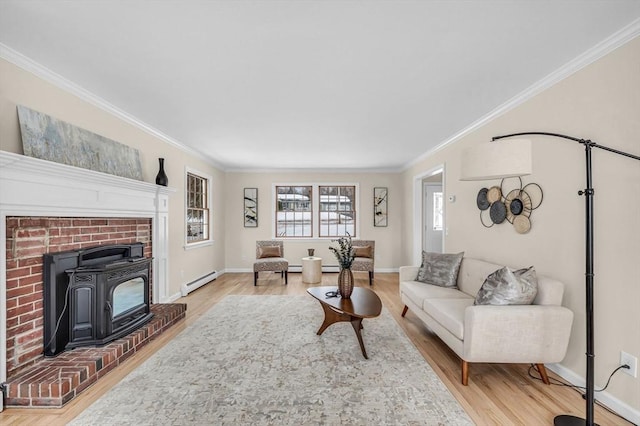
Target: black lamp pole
[566,420]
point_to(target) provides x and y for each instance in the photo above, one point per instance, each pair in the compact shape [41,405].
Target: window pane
[197,209]
[293,211]
[337,211]
[437,211]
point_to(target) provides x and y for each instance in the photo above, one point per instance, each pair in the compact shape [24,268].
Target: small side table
[311,269]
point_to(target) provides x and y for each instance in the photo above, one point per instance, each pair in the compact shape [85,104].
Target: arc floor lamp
[513,158]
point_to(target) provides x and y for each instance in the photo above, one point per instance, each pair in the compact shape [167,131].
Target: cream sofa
[532,334]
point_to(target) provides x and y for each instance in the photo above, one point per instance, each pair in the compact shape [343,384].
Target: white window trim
[315,209]
[209,178]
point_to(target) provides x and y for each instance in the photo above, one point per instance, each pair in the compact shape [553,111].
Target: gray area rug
[257,360]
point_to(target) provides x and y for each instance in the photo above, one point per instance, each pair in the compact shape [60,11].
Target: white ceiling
[308,84]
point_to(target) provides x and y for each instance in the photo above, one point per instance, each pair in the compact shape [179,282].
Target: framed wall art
[50,139]
[251,207]
[380,198]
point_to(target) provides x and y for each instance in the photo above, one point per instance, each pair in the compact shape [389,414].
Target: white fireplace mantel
[34,187]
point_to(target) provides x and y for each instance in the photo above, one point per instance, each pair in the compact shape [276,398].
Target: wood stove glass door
[128,295]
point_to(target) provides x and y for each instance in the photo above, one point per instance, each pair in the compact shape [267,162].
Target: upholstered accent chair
[270,257]
[365,252]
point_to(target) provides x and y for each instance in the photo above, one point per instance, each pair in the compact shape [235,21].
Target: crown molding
[317,170]
[57,80]
[606,46]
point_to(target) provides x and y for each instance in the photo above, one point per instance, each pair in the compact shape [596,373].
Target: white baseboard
[172,298]
[386,270]
[298,268]
[325,268]
[621,408]
[193,285]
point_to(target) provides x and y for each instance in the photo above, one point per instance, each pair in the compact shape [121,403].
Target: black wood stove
[94,296]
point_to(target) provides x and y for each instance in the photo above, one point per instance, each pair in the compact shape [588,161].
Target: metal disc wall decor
[518,203]
[498,212]
[521,224]
[481,199]
[515,207]
[494,194]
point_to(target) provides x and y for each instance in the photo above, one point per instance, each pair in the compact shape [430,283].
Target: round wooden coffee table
[364,303]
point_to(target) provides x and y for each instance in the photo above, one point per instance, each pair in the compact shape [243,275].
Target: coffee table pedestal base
[331,317]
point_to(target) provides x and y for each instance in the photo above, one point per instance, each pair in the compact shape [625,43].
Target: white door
[433,217]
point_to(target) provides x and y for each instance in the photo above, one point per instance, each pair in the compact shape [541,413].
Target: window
[198,208]
[437,211]
[294,216]
[315,211]
[337,211]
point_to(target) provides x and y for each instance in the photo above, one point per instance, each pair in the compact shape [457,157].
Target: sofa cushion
[417,292]
[440,269]
[449,313]
[508,287]
[271,264]
[472,274]
[362,264]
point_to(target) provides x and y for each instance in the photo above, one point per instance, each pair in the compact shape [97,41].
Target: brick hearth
[52,382]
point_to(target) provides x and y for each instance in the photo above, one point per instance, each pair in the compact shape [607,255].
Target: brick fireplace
[28,238]
[49,207]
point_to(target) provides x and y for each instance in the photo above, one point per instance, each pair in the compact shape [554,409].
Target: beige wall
[600,102]
[18,87]
[241,242]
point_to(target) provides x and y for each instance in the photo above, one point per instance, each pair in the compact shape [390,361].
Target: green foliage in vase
[344,252]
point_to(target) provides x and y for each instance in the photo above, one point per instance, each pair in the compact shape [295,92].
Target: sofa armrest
[516,334]
[408,273]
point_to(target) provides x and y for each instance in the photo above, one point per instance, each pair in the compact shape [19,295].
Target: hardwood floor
[498,394]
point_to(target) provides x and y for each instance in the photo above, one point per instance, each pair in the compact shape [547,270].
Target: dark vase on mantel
[161,177]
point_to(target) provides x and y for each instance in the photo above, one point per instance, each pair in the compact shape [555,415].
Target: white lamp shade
[496,160]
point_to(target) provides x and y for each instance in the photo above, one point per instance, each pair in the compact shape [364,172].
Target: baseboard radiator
[196,284]
[325,268]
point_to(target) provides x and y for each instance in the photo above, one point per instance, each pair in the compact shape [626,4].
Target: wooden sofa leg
[286,277]
[543,374]
[370,278]
[465,373]
[404,311]
[255,279]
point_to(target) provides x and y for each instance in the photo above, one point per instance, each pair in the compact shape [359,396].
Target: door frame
[418,213]
[427,215]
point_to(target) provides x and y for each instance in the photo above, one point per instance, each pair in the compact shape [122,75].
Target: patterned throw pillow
[364,251]
[507,287]
[269,251]
[440,269]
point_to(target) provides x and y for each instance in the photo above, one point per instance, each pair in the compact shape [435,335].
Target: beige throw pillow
[364,251]
[269,251]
